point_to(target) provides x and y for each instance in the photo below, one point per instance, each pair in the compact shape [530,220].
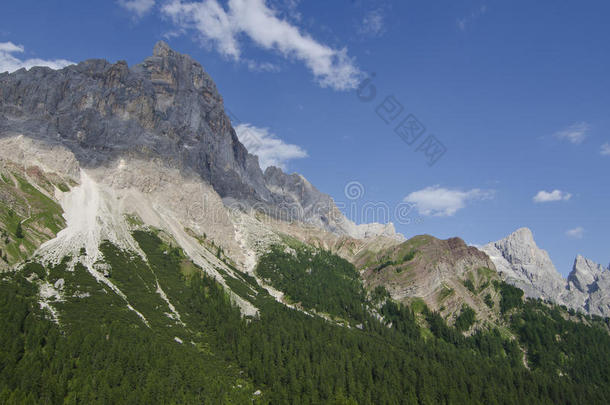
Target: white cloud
[210,20]
[442,202]
[223,29]
[10,47]
[372,23]
[261,66]
[548,196]
[138,7]
[575,133]
[9,62]
[271,150]
[605,150]
[576,233]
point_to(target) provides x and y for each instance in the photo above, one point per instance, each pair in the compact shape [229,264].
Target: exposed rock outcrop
[166,109]
[522,263]
[584,274]
[589,287]
[434,270]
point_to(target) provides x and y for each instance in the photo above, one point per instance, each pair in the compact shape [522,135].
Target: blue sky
[517,92]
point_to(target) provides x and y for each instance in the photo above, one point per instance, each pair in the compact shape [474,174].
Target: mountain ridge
[164,119]
[523,264]
[147,264]
[165,108]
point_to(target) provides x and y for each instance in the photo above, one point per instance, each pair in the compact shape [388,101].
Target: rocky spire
[525,265]
[584,273]
[589,286]
[162,49]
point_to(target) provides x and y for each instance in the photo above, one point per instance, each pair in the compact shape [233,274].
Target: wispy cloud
[372,23]
[605,149]
[549,196]
[224,29]
[576,233]
[261,66]
[287,8]
[9,62]
[138,7]
[462,23]
[575,133]
[271,150]
[443,202]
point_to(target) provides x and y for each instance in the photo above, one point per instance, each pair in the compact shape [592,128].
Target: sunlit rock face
[522,263]
[525,265]
[166,109]
[589,284]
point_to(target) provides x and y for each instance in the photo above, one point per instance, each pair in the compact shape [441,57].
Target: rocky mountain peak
[525,265]
[524,235]
[589,287]
[179,72]
[166,109]
[585,273]
[162,49]
[520,248]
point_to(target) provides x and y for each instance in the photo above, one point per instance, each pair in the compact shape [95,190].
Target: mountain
[589,287]
[146,258]
[585,273]
[28,217]
[523,264]
[447,275]
[166,110]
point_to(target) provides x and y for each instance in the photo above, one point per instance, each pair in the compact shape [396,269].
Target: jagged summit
[166,109]
[524,233]
[584,273]
[162,49]
[589,286]
[522,263]
[525,265]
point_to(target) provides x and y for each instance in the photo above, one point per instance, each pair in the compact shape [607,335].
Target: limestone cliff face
[166,109]
[584,274]
[589,286]
[522,263]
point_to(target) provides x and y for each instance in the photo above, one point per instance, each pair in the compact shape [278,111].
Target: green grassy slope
[28,217]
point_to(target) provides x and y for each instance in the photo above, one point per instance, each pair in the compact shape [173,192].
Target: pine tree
[19,231]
